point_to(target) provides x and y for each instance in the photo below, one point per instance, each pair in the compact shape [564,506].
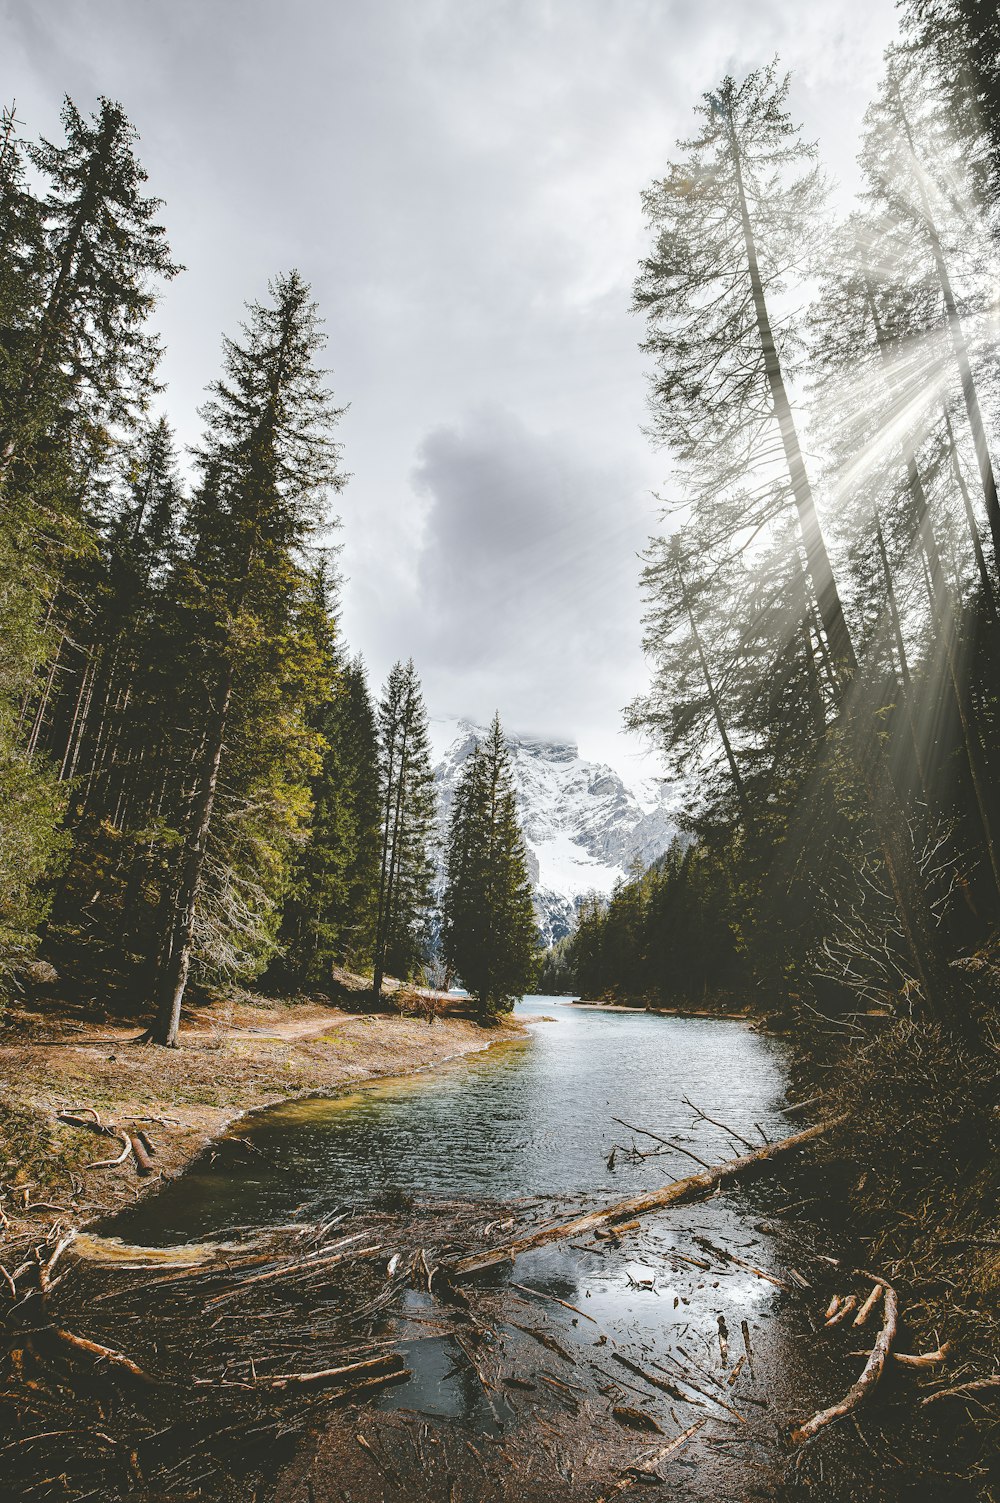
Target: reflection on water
[524,1118]
[536,1118]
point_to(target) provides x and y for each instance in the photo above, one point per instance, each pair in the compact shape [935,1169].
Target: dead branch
[872,1372]
[724,1125]
[646,1468]
[677,1191]
[101,1353]
[978,1385]
[113,1163]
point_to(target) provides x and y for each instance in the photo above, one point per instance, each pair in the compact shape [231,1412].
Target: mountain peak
[585,826]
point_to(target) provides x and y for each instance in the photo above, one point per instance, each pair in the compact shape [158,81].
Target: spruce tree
[87,343]
[733,220]
[247,659]
[407,808]
[329,913]
[489,934]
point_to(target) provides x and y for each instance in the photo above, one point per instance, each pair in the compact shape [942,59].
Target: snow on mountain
[585,827]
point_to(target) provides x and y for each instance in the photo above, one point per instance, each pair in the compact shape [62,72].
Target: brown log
[872,1372]
[869,1305]
[692,1187]
[143,1163]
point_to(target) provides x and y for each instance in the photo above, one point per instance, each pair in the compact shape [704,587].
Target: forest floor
[235,1055]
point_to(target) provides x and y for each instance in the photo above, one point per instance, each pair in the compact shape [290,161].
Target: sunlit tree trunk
[958,340]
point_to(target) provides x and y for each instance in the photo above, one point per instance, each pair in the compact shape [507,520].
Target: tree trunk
[958,340]
[824,584]
[989,594]
[173,979]
[887,814]
[738,784]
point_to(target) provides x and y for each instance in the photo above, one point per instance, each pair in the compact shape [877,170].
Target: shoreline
[663,1012]
[235,1059]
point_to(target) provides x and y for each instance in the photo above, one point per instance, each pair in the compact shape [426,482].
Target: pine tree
[407,810]
[732,220]
[329,913]
[87,344]
[489,935]
[248,660]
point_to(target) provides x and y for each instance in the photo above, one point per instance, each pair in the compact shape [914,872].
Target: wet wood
[644,1470]
[100,1353]
[678,1191]
[961,1390]
[869,1305]
[872,1372]
[844,1310]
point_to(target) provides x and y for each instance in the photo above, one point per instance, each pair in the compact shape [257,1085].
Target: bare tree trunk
[734,770]
[989,594]
[389,869]
[824,584]
[177,964]
[958,340]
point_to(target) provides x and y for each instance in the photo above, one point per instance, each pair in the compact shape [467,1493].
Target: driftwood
[691,1188]
[869,1305]
[872,1372]
[923,1359]
[978,1385]
[645,1470]
[101,1353]
[843,1310]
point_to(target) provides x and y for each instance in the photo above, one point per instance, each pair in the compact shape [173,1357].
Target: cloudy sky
[459,180]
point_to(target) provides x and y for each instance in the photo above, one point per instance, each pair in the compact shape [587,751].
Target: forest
[196,784]
[209,819]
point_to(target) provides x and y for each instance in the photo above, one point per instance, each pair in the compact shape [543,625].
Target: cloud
[526,596]
[461,184]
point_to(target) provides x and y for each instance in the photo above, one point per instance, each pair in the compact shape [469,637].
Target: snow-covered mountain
[584,826]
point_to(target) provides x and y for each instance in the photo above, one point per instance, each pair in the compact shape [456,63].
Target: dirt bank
[234,1056]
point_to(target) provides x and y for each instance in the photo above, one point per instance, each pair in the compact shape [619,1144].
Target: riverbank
[235,1056]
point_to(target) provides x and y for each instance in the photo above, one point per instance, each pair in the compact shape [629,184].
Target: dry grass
[236,1054]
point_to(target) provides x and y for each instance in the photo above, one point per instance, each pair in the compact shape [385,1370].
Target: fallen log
[143,1163]
[872,1372]
[691,1188]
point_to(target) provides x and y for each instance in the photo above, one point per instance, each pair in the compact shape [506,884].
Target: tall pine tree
[250,665]
[489,935]
[407,809]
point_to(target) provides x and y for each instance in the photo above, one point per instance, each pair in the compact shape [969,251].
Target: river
[719,1297]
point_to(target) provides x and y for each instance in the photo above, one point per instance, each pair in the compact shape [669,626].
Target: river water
[537,1118]
[528,1118]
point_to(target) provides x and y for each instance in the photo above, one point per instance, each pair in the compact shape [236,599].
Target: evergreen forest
[198,789]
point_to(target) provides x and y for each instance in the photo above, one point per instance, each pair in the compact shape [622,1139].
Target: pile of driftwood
[209,1366]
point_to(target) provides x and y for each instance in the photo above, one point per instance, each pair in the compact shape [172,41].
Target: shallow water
[536,1118]
[528,1118]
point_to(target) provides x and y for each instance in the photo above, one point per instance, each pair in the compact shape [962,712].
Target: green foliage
[406,822]
[488,921]
[329,912]
[669,936]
